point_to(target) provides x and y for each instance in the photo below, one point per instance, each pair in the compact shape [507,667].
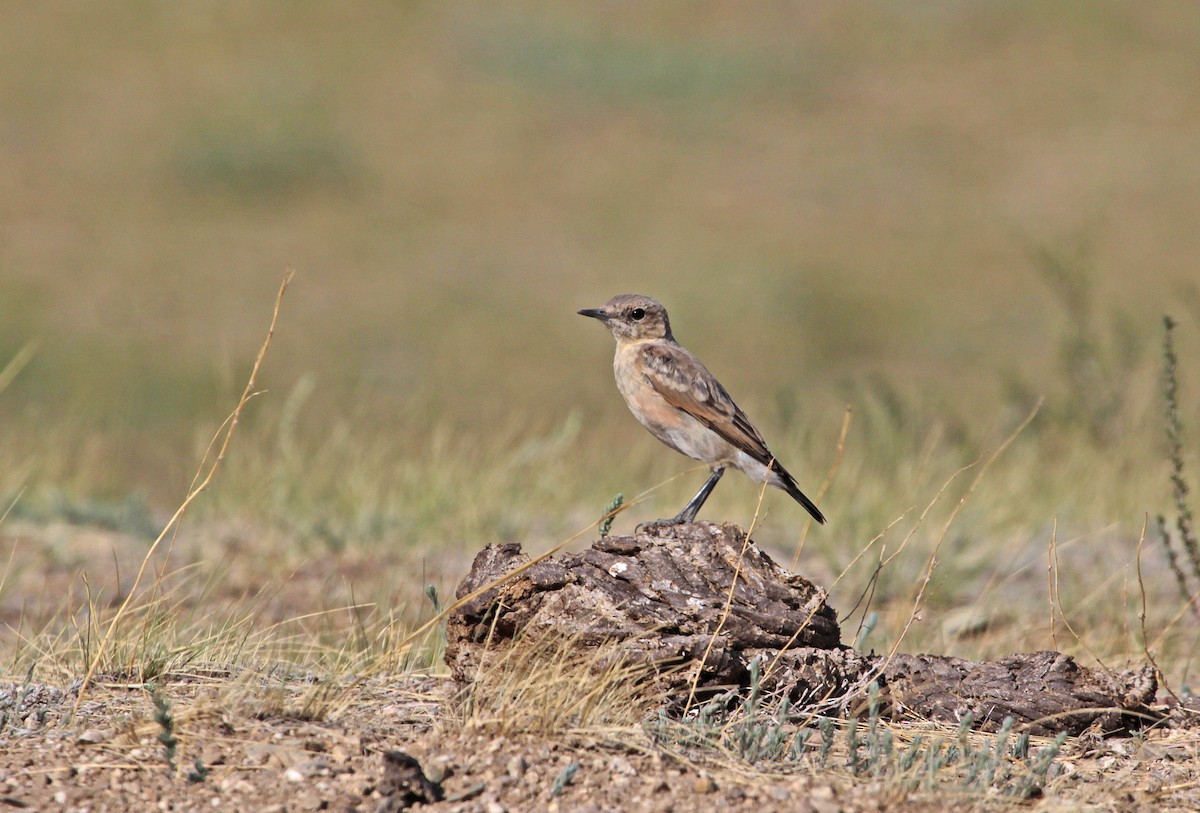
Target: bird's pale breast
[672,426]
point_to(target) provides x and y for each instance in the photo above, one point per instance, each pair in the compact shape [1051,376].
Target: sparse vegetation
[1184,536]
[451,186]
[767,735]
[166,723]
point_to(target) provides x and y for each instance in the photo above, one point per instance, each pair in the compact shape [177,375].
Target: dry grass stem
[195,491]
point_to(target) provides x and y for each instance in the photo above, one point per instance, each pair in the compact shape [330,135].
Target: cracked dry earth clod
[701,604]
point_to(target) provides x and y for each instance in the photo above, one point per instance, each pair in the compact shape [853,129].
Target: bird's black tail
[788,484]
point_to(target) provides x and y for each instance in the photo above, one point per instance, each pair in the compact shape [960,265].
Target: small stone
[259,754]
[495,807]
[823,801]
[516,767]
[293,775]
[439,770]
[704,784]
[316,802]
[622,766]
[318,766]
[92,736]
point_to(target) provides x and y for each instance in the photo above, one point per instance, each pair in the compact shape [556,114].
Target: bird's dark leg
[693,507]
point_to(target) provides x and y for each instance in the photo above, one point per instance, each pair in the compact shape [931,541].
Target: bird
[682,404]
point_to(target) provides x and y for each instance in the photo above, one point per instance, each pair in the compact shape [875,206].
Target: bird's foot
[660,523]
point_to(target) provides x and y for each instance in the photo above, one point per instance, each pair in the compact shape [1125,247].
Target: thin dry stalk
[1056,596]
[737,572]
[800,628]
[431,624]
[1146,649]
[17,363]
[1050,579]
[195,491]
[838,455]
[547,683]
[932,566]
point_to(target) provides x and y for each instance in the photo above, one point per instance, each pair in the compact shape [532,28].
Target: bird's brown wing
[686,384]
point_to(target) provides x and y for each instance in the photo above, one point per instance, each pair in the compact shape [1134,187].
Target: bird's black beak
[595,313]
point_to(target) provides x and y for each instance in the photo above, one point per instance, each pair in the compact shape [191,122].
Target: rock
[658,599]
[662,605]
[404,784]
[516,767]
[621,765]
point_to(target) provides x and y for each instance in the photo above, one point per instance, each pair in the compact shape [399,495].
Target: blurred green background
[936,212]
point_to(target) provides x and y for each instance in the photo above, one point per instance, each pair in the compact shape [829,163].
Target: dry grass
[937,217]
[546,686]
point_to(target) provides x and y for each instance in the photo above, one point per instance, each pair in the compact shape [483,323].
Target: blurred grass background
[935,213]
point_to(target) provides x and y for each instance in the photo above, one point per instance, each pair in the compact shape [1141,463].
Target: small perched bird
[675,396]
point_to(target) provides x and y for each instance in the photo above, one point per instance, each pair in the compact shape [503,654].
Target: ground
[109,759]
[892,230]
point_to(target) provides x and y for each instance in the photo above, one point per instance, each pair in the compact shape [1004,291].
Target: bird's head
[632,318]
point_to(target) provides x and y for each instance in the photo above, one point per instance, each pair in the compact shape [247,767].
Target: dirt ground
[244,740]
[110,759]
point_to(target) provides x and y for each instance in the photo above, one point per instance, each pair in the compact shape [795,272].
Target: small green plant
[198,772]
[1184,521]
[166,723]
[563,779]
[17,702]
[431,593]
[437,644]
[773,736]
[610,513]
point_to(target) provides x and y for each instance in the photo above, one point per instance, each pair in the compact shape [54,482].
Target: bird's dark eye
[637,314]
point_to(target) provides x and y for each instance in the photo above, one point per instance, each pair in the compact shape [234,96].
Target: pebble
[516,766]
[92,736]
[621,765]
[823,801]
